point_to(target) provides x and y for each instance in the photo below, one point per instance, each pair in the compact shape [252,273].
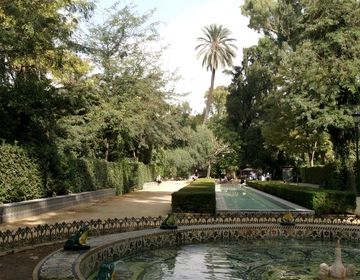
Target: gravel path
[152,201]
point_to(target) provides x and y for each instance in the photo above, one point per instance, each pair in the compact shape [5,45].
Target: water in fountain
[245,259]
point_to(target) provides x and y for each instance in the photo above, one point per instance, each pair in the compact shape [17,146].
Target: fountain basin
[81,265]
[273,259]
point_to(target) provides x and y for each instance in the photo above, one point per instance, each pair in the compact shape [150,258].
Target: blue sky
[181,23]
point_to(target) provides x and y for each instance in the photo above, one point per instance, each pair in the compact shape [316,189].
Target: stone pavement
[154,200]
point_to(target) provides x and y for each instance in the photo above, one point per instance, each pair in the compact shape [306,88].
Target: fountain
[240,247]
[337,270]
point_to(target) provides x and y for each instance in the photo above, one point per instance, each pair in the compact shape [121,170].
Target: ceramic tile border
[41,234]
[79,265]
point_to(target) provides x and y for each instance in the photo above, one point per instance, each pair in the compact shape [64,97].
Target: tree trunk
[208,169]
[210,97]
[106,150]
[312,154]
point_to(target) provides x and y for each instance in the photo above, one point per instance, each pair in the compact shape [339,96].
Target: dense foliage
[93,174]
[329,176]
[20,176]
[292,98]
[320,200]
[92,106]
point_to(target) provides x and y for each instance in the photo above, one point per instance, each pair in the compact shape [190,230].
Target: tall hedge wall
[320,200]
[329,176]
[20,176]
[93,174]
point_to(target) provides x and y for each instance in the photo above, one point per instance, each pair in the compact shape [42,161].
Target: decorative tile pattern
[59,231]
[114,246]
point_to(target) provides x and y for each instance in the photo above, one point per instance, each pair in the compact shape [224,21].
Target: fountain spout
[337,270]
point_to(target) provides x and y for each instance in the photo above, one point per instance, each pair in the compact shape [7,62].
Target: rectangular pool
[239,198]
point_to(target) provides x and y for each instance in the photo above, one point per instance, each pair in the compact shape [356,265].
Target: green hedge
[20,176]
[320,200]
[93,174]
[313,175]
[197,197]
[329,176]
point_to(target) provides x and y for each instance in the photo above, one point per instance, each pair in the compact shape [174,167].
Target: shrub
[313,175]
[320,200]
[93,174]
[329,176]
[197,197]
[203,182]
[20,176]
[79,177]
[178,162]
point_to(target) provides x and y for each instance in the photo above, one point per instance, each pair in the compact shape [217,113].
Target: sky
[181,23]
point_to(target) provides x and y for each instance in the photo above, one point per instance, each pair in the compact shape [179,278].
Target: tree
[127,114]
[295,131]
[276,19]
[220,94]
[178,162]
[216,49]
[117,45]
[315,84]
[251,83]
[37,45]
[205,147]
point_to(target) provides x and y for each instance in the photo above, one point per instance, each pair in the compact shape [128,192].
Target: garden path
[154,200]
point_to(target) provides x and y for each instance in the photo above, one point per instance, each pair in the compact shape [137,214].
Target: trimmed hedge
[93,174]
[313,175]
[20,176]
[197,197]
[329,176]
[320,200]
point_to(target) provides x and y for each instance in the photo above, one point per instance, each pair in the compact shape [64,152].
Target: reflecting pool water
[248,259]
[236,198]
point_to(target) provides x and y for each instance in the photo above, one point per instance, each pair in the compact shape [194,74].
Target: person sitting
[158,179]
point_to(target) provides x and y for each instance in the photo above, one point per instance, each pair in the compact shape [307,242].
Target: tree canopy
[217,50]
[100,93]
[299,85]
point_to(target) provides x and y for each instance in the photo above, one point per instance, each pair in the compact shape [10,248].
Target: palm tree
[217,49]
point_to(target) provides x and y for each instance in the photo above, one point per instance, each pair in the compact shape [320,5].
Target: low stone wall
[80,265]
[13,211]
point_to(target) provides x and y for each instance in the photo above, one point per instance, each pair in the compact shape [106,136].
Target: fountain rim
[77,263]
